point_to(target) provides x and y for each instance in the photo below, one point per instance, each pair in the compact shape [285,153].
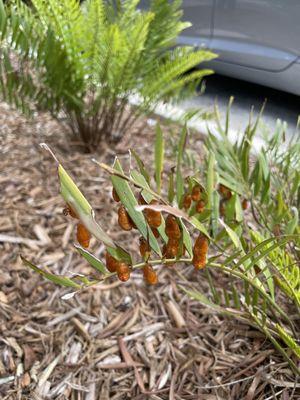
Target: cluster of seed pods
[195,196]
[172,249]
[226,195]
[154,220]
[174,246]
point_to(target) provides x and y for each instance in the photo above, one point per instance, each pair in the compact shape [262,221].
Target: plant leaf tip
[47,148]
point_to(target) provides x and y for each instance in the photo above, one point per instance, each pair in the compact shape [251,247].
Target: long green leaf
[179,178]
[141,166]
[59,280]
[233,236]
[159,149]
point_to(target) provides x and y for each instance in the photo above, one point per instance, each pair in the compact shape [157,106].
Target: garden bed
[113,341]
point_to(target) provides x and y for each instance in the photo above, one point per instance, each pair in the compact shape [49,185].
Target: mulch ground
[114,341]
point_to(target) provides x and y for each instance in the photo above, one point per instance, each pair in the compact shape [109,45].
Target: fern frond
[174,66]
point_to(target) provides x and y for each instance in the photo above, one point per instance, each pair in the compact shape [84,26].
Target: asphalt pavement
[279,105]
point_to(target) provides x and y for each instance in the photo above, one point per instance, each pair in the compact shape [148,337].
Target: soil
[117,340]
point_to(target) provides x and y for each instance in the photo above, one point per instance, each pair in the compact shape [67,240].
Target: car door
[262,34]
[200,14]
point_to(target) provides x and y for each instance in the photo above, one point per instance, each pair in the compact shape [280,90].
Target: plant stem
[141,265]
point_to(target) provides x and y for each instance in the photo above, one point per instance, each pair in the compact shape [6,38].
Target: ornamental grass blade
[59,280]
[141,166]
[179,178]
[212,195]
[92,260]
[210,179]
[129,201]
[159,150]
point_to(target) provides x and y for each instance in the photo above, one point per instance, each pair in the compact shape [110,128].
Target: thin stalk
[141,265]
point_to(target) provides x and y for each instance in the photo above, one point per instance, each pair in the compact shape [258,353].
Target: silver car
[256,40]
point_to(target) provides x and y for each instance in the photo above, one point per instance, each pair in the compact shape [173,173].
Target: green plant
[262,267]
[268,177]
[88,62]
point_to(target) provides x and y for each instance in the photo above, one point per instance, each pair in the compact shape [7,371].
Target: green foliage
[269,177]
[261,267]
[88,62]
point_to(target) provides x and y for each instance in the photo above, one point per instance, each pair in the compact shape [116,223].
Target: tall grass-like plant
[86,62]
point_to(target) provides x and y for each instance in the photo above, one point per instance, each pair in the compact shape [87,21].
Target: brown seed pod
[172,228]
[122,267]
[200,248]
[150,275]
[172,248]
[115,195]
[111,262]
[199,262]
[123,272]
[245,204]
[83,235]
[124,219]
[155,232]
[68,210]
[196,193]
[187,201]
[153,217]
[124,276]
[144,247]
[200,206]
[224,192]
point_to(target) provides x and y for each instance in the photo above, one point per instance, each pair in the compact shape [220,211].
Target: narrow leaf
[92,260]
[141,166]
[159,156]
[233,236]
[59,280]
[179,178]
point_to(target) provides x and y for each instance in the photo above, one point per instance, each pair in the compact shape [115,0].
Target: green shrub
[85,62]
